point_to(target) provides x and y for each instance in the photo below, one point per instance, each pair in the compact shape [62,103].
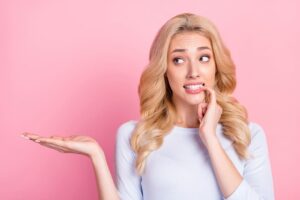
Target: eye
[205,58]
[175,60]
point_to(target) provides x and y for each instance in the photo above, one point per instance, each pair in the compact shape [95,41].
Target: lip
[194,83]
[194,91]
[197,91]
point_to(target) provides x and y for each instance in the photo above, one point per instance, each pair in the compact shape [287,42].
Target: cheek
[210,75]
[211,78]
[175,79]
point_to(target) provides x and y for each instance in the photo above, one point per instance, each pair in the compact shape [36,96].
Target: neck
[187,116]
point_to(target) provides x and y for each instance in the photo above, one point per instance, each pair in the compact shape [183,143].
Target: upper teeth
[193,87]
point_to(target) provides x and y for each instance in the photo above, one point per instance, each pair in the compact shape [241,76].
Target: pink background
[73,67]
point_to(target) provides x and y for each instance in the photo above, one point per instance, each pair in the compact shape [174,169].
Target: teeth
[193,87]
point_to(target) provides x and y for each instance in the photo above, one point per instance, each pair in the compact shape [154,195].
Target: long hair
[158,112]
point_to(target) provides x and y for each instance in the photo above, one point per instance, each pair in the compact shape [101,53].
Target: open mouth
[194,86]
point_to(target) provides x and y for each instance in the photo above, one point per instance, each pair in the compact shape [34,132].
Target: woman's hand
[84,145]
[87,146]
[209,115]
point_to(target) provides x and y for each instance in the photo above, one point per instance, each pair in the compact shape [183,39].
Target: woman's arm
[256,183]
[227,175]
[105,183]
[128,181]
[209,114]
[89,147]
[257,180]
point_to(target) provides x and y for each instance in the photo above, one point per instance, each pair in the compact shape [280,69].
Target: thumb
[201,110]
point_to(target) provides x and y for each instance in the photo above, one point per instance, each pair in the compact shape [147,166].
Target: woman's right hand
[79,144]
[87,146]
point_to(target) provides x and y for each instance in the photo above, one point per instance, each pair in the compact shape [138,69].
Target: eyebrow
[183,50]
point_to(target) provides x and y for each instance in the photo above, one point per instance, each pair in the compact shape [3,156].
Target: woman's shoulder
[256,129]
[128,125]
[122,146]
[258,135]
[125,129]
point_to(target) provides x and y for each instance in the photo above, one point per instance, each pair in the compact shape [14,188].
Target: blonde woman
[193,140]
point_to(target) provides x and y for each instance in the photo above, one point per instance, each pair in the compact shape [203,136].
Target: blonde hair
[158,112]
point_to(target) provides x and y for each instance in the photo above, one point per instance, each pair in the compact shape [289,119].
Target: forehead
[188,40]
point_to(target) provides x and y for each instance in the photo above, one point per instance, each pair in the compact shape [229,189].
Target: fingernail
[37,141]
[23,136]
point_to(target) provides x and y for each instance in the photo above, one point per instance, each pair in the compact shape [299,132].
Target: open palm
[79,144]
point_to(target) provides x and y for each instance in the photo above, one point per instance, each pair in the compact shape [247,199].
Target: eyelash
[200,57]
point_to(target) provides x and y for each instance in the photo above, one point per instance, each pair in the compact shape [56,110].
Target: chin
[189,99]
[195,100]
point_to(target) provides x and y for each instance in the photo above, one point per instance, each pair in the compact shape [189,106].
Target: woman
[194,140]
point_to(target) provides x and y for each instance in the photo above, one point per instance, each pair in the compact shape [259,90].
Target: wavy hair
[158,112]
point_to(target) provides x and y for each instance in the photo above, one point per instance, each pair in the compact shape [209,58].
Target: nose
[193,70]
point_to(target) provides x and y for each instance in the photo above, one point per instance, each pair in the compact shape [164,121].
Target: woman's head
[190,65]
[164,81]
[186,31]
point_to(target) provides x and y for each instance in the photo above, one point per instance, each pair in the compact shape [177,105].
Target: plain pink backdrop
[73,67]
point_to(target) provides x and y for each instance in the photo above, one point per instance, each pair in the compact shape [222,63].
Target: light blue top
[181,169]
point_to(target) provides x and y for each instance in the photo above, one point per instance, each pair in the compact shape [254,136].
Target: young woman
[193,140]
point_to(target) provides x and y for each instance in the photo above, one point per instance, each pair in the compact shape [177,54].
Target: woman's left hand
[209,114]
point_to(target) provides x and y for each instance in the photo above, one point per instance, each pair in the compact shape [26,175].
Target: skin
[87,146]
[192,65]
[189,65]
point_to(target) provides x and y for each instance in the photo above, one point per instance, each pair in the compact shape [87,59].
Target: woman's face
[190,64]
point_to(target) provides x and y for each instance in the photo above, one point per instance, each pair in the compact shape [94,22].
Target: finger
[56,137]
[55,147]
[211,93]
[62,149]
[201,110]
[204,108]
[49,142]
[220,110]
[55,141]
[212,98]
[30,136]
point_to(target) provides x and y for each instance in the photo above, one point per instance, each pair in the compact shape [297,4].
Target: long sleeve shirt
[181,169]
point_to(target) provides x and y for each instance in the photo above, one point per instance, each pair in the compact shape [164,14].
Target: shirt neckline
[183,130]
